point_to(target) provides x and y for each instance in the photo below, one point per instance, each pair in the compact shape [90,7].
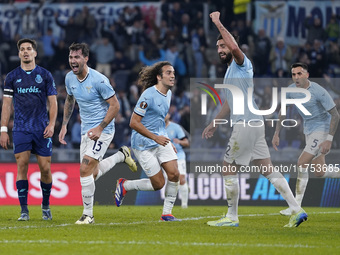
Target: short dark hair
[236,37]
[27,40]
[299,64]
[85,50]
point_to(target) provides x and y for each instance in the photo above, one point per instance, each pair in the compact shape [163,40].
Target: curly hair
[148,74]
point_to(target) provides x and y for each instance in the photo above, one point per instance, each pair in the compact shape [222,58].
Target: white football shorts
[95,149]
[151,160]
[313,141]
[182,166]
[246,144]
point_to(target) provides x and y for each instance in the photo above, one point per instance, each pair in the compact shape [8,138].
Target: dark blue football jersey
[30,91]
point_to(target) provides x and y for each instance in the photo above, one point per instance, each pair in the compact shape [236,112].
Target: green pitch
[137,230]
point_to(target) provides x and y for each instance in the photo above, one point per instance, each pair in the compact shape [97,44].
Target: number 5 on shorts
[315,143]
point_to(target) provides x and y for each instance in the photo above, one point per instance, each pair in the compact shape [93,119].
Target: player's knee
[87,166]
[174,175]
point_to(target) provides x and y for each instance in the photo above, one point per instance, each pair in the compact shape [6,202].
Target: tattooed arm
[68,109]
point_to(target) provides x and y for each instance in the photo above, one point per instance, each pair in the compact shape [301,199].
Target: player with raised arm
[150,142]
[319,129]
[98,105]
[247,143]
[180,141]
[30,87]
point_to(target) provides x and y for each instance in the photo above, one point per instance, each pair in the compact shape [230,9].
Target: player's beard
[227,59]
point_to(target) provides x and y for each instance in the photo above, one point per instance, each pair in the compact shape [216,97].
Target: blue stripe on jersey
[91,95]
[153,107]
[30,92]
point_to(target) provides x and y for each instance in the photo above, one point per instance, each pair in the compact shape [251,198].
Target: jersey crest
[38,79]
[88,89]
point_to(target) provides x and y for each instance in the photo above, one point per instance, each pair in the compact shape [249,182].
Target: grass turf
[137,230]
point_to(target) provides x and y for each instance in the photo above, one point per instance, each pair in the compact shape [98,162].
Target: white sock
[232,188]
[301,184]
[281,185]
[170,196]
[142,184]
[87,192]
[107,164]
[184,192]
[331,173]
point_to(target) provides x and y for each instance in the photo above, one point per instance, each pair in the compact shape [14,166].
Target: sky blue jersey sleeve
[144,103]
[180,132]
[67,84]
[105,89]
[325,99]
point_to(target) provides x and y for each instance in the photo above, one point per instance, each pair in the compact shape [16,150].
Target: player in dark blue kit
[30,87]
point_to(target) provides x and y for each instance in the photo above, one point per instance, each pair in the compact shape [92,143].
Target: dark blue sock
[46,192]
[22,187]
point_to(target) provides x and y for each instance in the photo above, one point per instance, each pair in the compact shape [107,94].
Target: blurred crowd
[121,48]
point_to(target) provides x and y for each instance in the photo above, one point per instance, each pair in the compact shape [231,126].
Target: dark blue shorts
[32,141]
